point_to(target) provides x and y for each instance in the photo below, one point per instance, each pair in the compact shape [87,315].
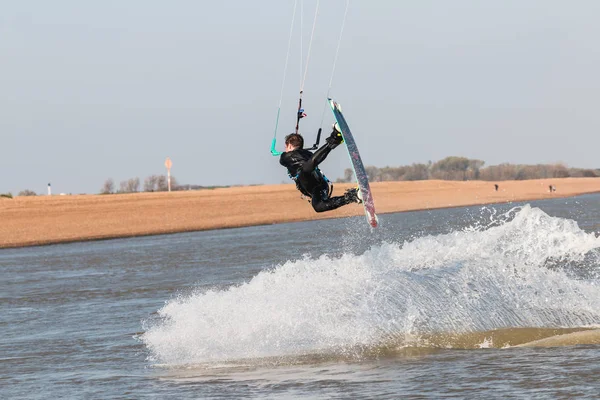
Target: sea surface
[432,304]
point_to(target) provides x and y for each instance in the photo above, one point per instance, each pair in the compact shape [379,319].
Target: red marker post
[168,164]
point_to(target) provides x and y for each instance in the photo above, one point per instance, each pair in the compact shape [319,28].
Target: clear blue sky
[92,90]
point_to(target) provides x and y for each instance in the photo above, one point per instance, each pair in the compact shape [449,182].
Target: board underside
[357,165]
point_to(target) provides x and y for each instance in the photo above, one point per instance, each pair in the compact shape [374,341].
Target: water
[430,305]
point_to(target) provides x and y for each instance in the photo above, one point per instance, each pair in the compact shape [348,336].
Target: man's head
[294,141]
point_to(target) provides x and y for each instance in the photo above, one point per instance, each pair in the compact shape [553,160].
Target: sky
[109,89]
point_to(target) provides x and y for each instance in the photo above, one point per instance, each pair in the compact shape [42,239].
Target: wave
[522,269]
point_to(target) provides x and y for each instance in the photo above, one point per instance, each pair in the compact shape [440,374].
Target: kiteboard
[357,165]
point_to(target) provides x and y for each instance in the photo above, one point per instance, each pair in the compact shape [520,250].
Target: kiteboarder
[303,168]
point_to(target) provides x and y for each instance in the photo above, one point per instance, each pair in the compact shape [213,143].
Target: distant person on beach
[496,187]
[303,168]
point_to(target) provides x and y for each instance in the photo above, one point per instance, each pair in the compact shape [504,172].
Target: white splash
[472,280]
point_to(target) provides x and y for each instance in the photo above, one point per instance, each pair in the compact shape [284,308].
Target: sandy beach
[40,220]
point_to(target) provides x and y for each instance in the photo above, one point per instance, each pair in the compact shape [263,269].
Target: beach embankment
[37,220]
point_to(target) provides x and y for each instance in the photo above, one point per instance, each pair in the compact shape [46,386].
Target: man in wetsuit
[303,168]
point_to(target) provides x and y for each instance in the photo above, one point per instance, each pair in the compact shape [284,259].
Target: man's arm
[284,159]
[295,160]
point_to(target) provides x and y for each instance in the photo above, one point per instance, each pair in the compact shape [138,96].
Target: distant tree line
[465,169]
[153,183]
[26,192]
[449,168]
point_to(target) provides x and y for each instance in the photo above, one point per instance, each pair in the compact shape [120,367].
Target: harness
[320,177]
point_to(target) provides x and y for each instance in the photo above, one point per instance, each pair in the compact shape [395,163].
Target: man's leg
[330,203]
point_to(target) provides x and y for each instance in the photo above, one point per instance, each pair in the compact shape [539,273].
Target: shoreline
[46,220]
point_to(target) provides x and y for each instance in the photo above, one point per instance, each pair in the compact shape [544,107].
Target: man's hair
[295,139]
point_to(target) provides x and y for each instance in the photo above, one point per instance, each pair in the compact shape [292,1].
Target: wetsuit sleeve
[294,160]
[318,157]
[284,159]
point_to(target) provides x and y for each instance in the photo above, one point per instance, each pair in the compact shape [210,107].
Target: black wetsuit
[302,166]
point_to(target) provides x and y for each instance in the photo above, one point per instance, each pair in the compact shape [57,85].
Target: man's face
[289,147]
